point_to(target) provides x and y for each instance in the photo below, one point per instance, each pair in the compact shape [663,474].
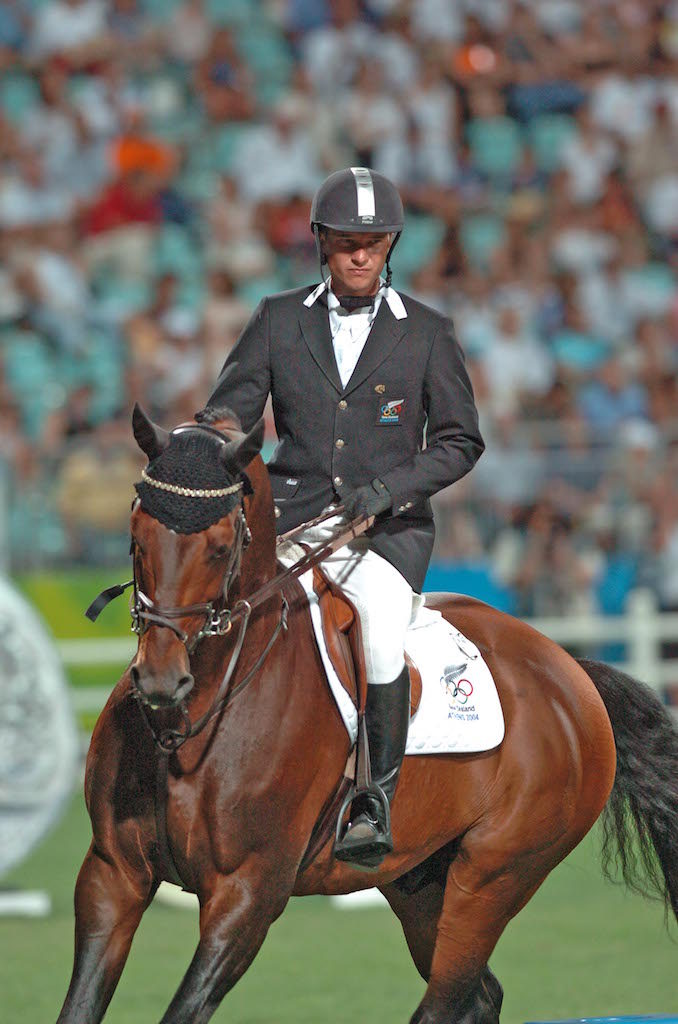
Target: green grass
[581,947]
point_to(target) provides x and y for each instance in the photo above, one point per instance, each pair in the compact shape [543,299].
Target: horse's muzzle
[158,691]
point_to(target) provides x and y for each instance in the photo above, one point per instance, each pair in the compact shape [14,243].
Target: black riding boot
[367,838]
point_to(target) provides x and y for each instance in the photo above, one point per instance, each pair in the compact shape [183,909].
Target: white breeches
[382,597]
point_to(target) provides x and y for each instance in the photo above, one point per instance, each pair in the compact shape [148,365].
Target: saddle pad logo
[389,412]
[458,693]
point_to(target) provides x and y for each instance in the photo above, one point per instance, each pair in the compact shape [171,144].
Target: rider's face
[356,259]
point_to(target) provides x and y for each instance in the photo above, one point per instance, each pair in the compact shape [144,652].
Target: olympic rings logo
[460,691]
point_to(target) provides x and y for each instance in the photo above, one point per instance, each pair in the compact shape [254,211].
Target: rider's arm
[245,379]
[453,440]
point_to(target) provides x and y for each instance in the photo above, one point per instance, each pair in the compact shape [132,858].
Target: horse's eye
[220,552]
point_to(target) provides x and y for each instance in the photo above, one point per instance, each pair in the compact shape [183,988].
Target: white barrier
[642,629]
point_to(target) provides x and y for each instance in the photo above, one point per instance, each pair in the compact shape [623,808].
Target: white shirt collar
[393,299]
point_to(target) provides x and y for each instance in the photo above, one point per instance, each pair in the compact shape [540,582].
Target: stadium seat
[480,235]
[175,252]
[159,9]
[223,144]
[234,12]
[254,289]
[118,298]
[268,57]
[419,243]
[496,146]
[547,135]
[18,94]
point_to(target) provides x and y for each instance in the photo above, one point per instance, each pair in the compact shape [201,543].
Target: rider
[357,372]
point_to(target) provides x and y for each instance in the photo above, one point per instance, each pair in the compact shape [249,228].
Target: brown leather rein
[220,621]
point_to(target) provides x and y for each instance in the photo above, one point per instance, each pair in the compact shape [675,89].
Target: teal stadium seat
[175,252]
[234,12]
[496,146]
[480,235]
[119,298]
[418,245]
[18,95]
[158,10]
[547,133]
[222,145]
[267,55]
[252,291]
[31,377]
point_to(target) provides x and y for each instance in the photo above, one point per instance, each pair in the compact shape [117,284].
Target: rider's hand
[370,500]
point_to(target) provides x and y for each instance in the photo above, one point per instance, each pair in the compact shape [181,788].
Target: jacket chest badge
[390,412]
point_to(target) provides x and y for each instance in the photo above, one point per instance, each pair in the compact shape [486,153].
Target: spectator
[588,157]
[188,32]
[374,121]
[223,81]
[73,29]
[515,364]
[277,160]
[331,53]
[611,399]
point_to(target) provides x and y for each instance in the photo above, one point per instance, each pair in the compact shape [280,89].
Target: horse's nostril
[184,688]
[134,673]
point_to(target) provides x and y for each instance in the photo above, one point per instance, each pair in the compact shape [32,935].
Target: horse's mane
[212,414]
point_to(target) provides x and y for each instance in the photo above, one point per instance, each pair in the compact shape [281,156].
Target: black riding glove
[370,500]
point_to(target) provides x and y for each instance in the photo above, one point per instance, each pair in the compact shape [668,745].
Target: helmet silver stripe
[364,191]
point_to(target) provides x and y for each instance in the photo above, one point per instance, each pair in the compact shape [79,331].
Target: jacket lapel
[386,333]
[315,327]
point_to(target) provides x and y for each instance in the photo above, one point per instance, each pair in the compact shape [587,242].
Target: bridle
[218,618]
[216,614]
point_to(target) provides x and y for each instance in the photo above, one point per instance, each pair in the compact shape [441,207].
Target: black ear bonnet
[192,461]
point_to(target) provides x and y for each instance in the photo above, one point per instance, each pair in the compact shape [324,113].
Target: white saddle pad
[459,710]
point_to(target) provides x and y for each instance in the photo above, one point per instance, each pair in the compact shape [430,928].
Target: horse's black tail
[640,820]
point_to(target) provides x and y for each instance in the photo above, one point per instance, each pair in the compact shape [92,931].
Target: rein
[218,622]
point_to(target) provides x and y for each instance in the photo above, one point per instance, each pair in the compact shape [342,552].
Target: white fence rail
[642,630]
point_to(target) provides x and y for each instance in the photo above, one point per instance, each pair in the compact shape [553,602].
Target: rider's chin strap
[104,598]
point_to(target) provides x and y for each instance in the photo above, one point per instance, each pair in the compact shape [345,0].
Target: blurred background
[157,161]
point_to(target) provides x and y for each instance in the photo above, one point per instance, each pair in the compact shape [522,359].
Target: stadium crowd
[157,159]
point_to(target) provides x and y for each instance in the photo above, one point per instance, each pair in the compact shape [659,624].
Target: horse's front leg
[109,902]
[234,920]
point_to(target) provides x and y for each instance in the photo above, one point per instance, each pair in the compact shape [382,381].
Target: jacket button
[338,481]
[277,512]
[343,405]
[339,443]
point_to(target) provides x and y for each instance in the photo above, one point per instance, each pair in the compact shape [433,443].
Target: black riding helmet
[358,199]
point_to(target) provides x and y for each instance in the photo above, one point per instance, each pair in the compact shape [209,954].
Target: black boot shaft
[387,717]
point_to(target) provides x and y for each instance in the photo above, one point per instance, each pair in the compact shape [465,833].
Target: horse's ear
[239,454]
[151,438]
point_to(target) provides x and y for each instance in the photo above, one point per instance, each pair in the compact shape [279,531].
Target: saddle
[343,638]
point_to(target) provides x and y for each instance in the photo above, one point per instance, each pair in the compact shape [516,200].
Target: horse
[253,748]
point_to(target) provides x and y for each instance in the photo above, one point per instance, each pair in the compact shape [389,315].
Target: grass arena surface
[581,947]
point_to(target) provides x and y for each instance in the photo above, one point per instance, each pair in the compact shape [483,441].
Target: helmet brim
[354,229]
